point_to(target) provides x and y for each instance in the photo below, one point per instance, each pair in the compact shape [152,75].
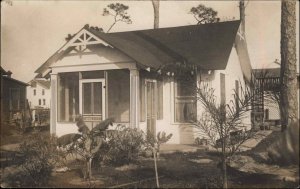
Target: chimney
[8,73]
[242,16]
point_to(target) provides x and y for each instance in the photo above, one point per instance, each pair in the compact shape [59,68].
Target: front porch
[96,95]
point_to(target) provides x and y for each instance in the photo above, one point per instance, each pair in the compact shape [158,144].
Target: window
[43,91]
[68,96]
[34,92]
[185,101]
[40,102]
[44,102]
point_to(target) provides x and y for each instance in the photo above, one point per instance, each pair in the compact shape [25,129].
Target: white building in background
[39,93]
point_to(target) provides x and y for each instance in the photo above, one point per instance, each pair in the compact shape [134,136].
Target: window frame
[176,97]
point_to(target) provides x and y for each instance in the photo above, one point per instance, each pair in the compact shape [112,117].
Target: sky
[32,31]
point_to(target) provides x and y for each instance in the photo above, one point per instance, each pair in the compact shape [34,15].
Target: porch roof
[207,45]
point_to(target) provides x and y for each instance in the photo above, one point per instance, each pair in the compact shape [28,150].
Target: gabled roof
[207,46]
[44,83]
[2,71]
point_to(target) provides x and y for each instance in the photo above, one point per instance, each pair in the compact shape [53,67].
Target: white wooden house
[38,93]
[119,75]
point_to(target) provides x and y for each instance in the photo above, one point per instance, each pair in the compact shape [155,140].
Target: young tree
[288,63]
[119,12]
[222,123]
[87,143]
[204,14]
[153,142]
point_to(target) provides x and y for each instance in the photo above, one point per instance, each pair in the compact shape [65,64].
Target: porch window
[68,96]
[185,101]
[118,95]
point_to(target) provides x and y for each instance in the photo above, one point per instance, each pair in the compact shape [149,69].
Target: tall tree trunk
[155,4]
[288,77]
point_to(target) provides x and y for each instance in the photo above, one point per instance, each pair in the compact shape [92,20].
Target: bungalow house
[131,76]
[13,97]
[38,93]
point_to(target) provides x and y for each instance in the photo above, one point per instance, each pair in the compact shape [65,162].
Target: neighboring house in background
[13,97]
[267,92]
[38,93]
[122,75]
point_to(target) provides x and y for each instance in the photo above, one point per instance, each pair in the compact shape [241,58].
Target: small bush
[38,157]
[123,146]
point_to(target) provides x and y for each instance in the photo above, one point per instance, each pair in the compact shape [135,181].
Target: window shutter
[160,85]
[223,88]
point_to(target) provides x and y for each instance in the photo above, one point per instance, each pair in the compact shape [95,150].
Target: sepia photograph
[149,94]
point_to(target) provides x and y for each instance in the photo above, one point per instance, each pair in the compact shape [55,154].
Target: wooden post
[53,105]
[134,98]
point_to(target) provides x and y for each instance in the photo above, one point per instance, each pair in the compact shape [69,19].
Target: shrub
[38,157]
[123,146]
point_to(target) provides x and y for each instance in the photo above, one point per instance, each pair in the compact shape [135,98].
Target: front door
[92,101]
[150,107]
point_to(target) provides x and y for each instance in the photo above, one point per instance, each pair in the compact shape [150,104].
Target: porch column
[53,104]
[134,99]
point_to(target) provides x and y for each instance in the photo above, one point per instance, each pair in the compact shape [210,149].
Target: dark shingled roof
[207,45]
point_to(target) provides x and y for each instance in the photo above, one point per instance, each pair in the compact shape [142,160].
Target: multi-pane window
[185,101]
[44,102]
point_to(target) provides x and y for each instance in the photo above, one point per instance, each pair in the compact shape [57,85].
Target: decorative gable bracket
[82,39]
